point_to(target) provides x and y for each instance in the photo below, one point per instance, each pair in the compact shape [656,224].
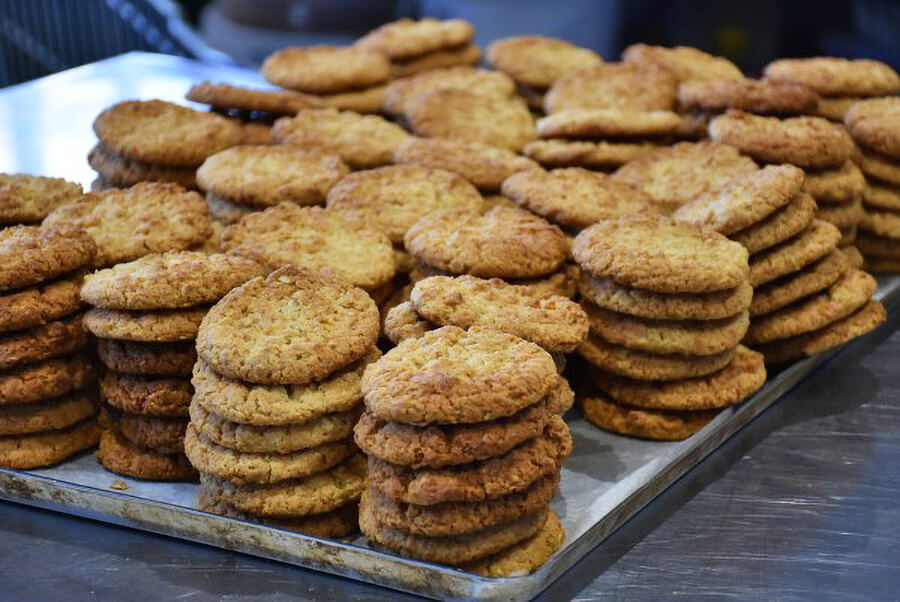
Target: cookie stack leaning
[464,454]
[668,308]
[276,396]
[146,314]
[48,399]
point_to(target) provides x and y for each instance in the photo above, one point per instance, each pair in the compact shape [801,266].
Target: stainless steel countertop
[801,504]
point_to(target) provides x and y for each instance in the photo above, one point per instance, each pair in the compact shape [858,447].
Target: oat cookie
[834,108]
[163,133]
[149,359]
[781,225]
[538,61]
[31,254]
[227,96]
[25,198]
[839,185]
[46,379]
[393,198]
[662,425]
[489,83]
[403,322]
[831,76]
[325,69]
[524,557]
[147,326]
[120,172]
[48,415]
[641,365]
[45,449]
[879,166]
[40,303]
[842,215]
[596,154]
[854,256]
[369,100]
[38,343]
[613,86]
[875,123]
[256,132]
[819,239]
[881,223]
[752,95]
[877,196]
[146,395]
[117,454]
[162,435]
[406,38]
[466,55]
[600,123]
[815,277]
[683,62]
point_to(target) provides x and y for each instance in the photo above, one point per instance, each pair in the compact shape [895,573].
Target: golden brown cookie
[48,415]
[842,215]
[819,239]
[117,454]
[760,96]
[662,425]
[683,62]
[31,254]
[325,69]
[881,223]
[781,225]
[167,397]
[490,83]
[815,277]
[838,185]
[228,96]
[406,38]
[369,100]
[40,303]
[879,166]
[149,359]
[466,55]
[147,326]
[613,86]
[256,132]
[403,322]
[878,196]
[538,61]
[45,379]
[524,557]
[875,123]
[25,452]
[601,123]
[38,343]
[595,154]
[834,108]
[831,76]
[641,365]
[854,256]
[120,172]
[25,198]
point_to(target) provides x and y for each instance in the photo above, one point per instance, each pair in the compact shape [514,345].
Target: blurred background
[39,37]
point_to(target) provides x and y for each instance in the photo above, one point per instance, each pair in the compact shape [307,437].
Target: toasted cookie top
[325,69]
[25,198]
[156,131]
[505,242]
[658,254]
[150,217]
[830,76]
[600,123]
[406,38]
[168,280]
[751,95]
[295,326]
[613,86]
[539,61]
[747,199]
[393,198]
[451,376]
[468,115]
[363,141]
[819,239]
[876,124]
[484,166]
[268,175]
[227,96]
[458,56]
[683,62]
[315,238]
[400,91]
[574,197]
[32,254]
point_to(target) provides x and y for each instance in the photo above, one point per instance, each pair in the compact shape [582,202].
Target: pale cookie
[46,379]
[25,198]
[362,141]
[641,365]
[575,198]
[148,359]
[393,198]
[683,62]
[120,172]
[837,76]
[438,446]
[484,166]
[502,243]
[225,212]
[485,375]
[176,279]
[760,96]
[43,342]
[873,245]
[30,254]
[117,454]
[660,425]
[552,322]
[313,238]
[681,173]
[879,196]
[864,320]
[162,435]
[403,322]
[40,303]
[147,326]
[813,278]
[150,217]
[227,96]
[598,154]
[470,116]
[279,405]
[163,133]
[466,55]
[490,83]
[155,396]
[406,38]
[49,415]
[601,123]
[781,225]
[733,384]
[661,255]
[524,557]
[538,61]
[819,239]
[834,108]
[45,449]
[293,327]
[613,86]
[804,141]
[325,69]
[842,215]
[838,185]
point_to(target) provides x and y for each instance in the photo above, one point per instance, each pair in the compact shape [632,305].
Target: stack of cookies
[48,401]
[27,199]
[464,454]
[667,305]
[146,315]
[277,393]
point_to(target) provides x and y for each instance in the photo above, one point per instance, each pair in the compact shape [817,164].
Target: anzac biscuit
[873,245]
[147,326]
[117,454]
[661,425]
[48,415]
[40,303]
[45,449]
[879,166]
[325,69]
[601,123]
[490,83]
[370,100]
[674,258]
[162,435]
[875,123]
[819,239]
[842,215]
[31,254]
[524,557]
[163,133]
[854,256]
[781,225]
[878,196]
[458,56]
[120,172]
[596,154]
[225,212]
[839,185]
[538,61]
[294,327]
[815,277]
[837,76]
[38,343]
[641,365]
[881,223]
[150,217]
[683,62]
[256,132]
[613,86]
[25,198]
[834,108]
[752,95]
[227,96]
[167,397]
[406,38]
[46,379]
[403,322]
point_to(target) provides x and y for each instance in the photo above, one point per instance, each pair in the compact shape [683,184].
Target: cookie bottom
[120,456]
[660,425]
[524,557]
[45,449]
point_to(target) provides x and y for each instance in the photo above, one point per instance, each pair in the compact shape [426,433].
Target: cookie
[406,38]
[325,69]
[538,61]
[804,141]
[489,83]
[683,62]
[834,108]
[362,141]
[31,254]
[120,172]
[148,359]
[117,454]
[596,154]
[162,435]
[502,243]
[831,76]
[438,446]
[41,303]
[760,96]
[601,123]
[227,96]
[659,425]
[45,379]
[873,245]
[660,255]
[612,86]
[574,197]
[877,196]
[256,132]
[25,198]
[524,557]
[150,217]
[641,365]
[225,212]
[403,322]
[815,277]
[393,198]
[680,173]
[147,326]
[458,56]
[25,452]
[879,166]
[838,185]
[842,215]
[881,223]
[163,133]
[38,343]
[819,239]
[166,397]
[854,256]
[738,380]
[485,375]
[49,415]
[783,224]
[176,279]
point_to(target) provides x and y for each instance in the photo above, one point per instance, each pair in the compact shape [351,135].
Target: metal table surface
[801,504]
